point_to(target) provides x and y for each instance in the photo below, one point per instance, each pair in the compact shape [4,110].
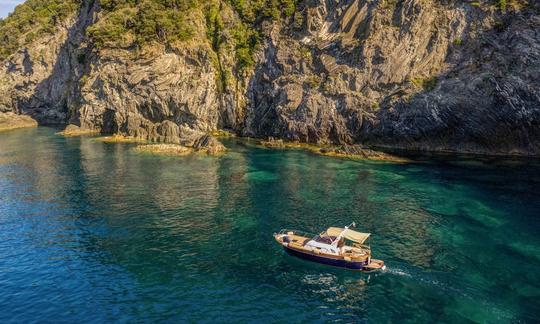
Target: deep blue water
[95,232]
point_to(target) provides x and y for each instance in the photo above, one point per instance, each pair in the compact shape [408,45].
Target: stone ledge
[9,121]
[165,149]
[342,151]
[74,130]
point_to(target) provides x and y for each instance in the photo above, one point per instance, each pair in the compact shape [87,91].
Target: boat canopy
[348,234]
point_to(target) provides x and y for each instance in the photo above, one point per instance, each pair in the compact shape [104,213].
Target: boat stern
[374,265]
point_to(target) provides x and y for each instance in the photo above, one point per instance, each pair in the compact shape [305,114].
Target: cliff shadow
[54,99]
[488,102]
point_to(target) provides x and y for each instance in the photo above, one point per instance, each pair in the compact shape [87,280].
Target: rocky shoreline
[353,75]
[341,151]
[74,131]
[211,147]
[164,149]
[9,121]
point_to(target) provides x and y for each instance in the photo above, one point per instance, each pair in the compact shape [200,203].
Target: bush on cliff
[30,20]
[138,22]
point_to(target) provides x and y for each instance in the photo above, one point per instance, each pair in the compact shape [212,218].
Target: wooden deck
[297,242]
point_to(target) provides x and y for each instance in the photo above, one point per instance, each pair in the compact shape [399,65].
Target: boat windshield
[324,239]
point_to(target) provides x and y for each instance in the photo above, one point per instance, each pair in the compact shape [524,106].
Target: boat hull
[351,265]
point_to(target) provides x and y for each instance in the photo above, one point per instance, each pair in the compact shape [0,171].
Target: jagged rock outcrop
[414,74]
[151,94]
[41,79]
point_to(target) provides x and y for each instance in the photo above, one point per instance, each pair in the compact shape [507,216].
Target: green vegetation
[313,81]
[31,20]
[252,10]
[427,84]
[138,22]
[135,24]
[245,35]
[515,5]
[388,4]
[501,4]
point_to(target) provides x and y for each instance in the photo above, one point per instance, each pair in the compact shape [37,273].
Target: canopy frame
[348,234]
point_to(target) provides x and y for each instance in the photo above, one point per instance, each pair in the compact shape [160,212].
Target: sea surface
[93,232]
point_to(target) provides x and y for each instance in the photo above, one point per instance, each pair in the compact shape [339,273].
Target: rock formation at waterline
[414,74]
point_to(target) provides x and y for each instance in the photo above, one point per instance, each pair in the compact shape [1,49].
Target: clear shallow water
[93,232]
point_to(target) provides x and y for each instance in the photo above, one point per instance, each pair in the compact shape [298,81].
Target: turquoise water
[94,232]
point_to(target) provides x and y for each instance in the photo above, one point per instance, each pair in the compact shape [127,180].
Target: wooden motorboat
[340,247]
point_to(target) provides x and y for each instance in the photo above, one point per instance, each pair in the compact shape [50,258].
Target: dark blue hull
[358,266]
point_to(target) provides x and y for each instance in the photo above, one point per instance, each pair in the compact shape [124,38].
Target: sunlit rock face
[429,75]
[40,79]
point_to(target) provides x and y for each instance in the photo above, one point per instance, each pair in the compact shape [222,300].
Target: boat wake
[431,278]
[397,272]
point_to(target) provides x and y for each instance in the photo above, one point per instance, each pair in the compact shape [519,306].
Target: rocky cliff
[415,74]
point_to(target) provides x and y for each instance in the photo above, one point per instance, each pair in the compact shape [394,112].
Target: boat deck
[353,257]
[298,240]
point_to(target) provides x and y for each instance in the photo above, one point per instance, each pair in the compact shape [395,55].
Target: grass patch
[221,133]
[427,84]
[31,20]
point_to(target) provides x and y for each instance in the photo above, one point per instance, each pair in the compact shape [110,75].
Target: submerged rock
[165,149]
[357,151]
[209,144]
[205,144]
[345,151]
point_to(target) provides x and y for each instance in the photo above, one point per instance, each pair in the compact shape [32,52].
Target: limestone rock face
[413,74]
[208,144]
[154,95]
[434,75]
[41,79]
[151,98]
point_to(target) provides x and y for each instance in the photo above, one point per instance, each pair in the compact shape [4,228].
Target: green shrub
[83,80]
[313,81]
[126,23]
[138,23]
[501,4]
[30,20]
[427,84]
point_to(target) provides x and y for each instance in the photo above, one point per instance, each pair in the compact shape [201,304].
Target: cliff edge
[437,75]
